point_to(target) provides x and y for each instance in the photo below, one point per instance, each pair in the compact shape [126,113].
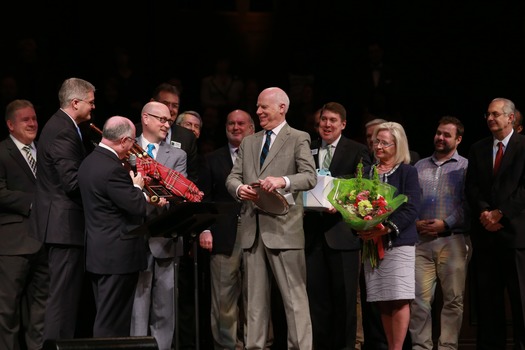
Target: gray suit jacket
[289,156]
[173,158]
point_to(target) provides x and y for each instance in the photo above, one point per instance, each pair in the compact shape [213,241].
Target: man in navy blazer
[496,197]
[58,214]
[23,260]
[114,204]
[332,249]
[222,239]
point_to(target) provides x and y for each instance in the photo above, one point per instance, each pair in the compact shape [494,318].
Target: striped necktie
[30,158]
[266,147]
[327,157]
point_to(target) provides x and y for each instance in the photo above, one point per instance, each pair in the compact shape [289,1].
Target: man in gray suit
[154,297]
[23,259]
[274,241]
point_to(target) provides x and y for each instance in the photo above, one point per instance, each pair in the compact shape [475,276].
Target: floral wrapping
[365,203]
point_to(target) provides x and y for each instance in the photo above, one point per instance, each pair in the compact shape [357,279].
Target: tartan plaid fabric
[173,180]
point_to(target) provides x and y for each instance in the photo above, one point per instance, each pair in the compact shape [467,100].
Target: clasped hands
[490,219]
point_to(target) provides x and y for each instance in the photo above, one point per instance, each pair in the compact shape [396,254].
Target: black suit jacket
[504,191]
[212,179]
[58,213]
[337,233]
[17,186]
[184,139]
[113,207]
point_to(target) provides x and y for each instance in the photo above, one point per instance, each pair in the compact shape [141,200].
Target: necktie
[266,147]
[150,149]
[327,157]
[79,133]
[499,156]
[30,159]
[235,154]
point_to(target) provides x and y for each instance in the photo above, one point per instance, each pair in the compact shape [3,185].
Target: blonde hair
[400,139]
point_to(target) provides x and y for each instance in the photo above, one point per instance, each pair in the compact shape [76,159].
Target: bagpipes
[168,183]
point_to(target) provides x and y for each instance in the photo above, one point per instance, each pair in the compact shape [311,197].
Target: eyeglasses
[170,104]
[91,103]
[162,120]
[494,114]
[383,144]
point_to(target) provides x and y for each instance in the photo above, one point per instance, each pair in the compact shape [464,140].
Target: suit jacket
[344,162]
[113,206]
[185,140]
[58,213]
[212,180]
[289,156]
[173,158]
[504,191]
[17,186]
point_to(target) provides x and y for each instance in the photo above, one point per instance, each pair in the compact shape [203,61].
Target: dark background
[450,57]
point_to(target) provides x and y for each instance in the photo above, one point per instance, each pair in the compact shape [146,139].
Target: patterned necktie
[327,157]
[499,156]
[151,147]
[30,159]
[266,147]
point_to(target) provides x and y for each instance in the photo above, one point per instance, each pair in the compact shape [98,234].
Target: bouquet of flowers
[365,203]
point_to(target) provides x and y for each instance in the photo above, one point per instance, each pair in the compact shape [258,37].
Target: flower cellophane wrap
[174,181]
[380,200]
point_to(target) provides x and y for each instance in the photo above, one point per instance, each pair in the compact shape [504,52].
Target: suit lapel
[509,154]
[20,159]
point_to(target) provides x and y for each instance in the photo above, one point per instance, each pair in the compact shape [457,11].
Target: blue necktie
[266,147]
[150,149]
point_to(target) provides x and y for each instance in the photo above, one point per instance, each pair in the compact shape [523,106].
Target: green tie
[327,157]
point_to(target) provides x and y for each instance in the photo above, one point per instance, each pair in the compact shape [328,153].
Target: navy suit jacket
[504,191]
[57,210]
[113,207]
[17,186]
[212,179]
[344,162]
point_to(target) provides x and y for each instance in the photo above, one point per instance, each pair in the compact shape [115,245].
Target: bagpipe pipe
[159,180]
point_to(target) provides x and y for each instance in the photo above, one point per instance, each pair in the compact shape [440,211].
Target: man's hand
[490,219]
[138,180]
[206,240]
[272,183]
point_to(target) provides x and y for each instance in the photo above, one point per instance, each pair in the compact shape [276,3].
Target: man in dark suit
[58,213]
[23,260]
[222,239]
[114,204]
[495,189]
[332,250]
[274,244]
[155,295]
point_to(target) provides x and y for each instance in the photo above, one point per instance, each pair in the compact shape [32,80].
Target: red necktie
[499,156]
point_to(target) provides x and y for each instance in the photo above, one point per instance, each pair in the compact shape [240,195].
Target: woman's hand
[377,231]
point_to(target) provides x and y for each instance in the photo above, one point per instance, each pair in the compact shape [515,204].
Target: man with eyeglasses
[57,211]
[155,294]
[178,136]
[495,190]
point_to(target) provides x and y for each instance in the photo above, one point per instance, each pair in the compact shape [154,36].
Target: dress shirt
[442,184]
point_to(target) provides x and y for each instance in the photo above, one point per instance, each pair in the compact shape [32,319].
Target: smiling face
[270,110]
[156,121]
[24,126]
[238,126]
[384,146]
[446,140]
[331,126]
